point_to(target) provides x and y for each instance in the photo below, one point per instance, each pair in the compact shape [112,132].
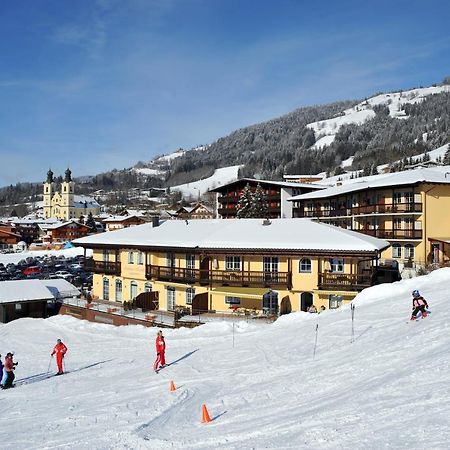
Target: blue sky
[102,84]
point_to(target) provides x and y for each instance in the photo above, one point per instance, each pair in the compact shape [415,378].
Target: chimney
[155,221]
[266,222]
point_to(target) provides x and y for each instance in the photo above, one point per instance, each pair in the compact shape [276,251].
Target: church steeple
[50,178]
[68,176]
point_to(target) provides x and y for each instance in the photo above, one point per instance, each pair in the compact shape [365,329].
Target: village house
[119,222]
[67,231]
[198,211]
[410,209]
[8,235]
[276,192]
[267,266]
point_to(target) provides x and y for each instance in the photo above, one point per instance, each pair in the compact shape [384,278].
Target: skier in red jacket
[60,349]
[160,351]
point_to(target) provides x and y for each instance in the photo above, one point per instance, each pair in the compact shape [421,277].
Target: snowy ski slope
[388,389]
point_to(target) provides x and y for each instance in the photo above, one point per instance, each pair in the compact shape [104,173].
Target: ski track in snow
[388,389]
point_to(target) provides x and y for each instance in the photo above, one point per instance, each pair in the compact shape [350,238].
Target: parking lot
[48,267]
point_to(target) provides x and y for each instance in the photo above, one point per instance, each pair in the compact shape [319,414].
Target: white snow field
[390,388]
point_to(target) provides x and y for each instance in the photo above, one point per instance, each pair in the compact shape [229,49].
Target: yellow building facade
[64,204]
[221,265]
[409,209]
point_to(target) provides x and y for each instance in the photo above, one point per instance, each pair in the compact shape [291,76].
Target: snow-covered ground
[220,176]
[326,130]
[388,389]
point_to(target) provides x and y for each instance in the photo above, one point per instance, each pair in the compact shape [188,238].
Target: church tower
[49,187]
[67,196]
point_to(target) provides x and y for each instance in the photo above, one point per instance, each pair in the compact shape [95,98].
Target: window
[105,255]
[409,251]
[140,258]
[270,303]
[337,264]
[170,298]
[190,265]
[335,301]
[148,287]
[190,294]
[396,251]
[18,306]
[397,197]
[130,257]
[233,263]
[105,289]
[270,264]
[118,290]
[232,300]
[170,260]
[133,290]
[305,265]
[190,261]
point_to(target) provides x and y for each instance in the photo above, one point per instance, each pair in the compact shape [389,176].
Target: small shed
[23,298]
[33,298]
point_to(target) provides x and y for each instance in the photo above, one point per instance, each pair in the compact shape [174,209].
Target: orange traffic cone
[205,415]
[172,387]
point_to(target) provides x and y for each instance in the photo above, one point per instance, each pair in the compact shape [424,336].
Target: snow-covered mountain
[261,383]
[326,130]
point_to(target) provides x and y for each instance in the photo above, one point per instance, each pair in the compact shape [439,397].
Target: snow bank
[261,384]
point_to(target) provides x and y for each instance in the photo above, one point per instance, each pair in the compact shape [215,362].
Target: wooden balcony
[104,267]
[383,208]
[344,281]
[222,277]
[393,234]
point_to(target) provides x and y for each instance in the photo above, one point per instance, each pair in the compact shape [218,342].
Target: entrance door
[285,307]
[270,303]
[204,270]
[200,303]
[306,300]
[435,253]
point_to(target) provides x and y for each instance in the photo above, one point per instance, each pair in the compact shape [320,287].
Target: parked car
[64,274]
[32,270]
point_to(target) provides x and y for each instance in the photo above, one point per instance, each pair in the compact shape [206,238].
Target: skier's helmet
[415,293]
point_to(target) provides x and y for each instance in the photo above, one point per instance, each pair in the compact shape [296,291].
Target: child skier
[419,304]
[160,351]
[60,349]
[10,365]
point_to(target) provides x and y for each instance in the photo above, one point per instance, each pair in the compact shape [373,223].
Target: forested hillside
[381,129]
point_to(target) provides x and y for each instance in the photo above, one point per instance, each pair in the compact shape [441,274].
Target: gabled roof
[406,178]
[64,224]
[23,291]
[122,218]
[286,184]
[248,234]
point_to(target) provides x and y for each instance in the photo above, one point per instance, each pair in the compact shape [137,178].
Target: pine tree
[90,222]
[244,205]
[260,205]
[446,160]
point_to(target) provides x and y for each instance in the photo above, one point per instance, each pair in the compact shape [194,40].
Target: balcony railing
[383,208]
[106,267]
[393,234]
[223,277]
[343,281]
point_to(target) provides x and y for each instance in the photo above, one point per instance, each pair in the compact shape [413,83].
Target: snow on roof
[288,234]
[24,291]
[61,288]
[80,201]
[63,224]
[122,218]
[290,184]
[408,177]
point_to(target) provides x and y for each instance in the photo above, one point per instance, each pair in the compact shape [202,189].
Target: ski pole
[49,362]
[315,342]
[352,307]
